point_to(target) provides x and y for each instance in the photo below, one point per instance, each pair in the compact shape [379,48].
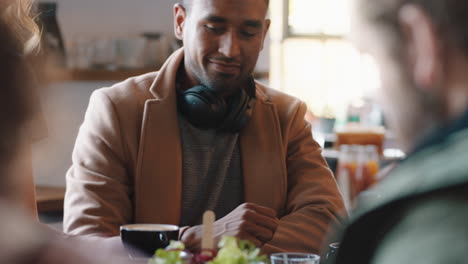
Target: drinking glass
[294,258]
[332,251]
[358,166]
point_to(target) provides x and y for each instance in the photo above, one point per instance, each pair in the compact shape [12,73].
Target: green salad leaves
[231,251]
[234,251]
[170,255]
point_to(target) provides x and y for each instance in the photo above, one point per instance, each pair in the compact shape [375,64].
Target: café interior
[96,43]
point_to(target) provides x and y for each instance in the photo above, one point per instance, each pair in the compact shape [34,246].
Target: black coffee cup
[147,238]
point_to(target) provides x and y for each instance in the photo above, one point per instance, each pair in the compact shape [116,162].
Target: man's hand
[248,221]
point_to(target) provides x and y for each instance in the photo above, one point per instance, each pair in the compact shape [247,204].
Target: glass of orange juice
[358,166]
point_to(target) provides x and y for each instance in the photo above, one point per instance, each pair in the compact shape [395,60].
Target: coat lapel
[158,181]
[263,166]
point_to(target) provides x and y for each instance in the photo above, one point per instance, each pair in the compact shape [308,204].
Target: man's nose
[229,45]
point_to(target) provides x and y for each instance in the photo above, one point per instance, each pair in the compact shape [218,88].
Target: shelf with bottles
[65,75]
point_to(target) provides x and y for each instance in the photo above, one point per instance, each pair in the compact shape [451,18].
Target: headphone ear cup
[239,112]
[202,107]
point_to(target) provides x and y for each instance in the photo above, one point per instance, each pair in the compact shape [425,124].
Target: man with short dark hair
[199,135]
[419,213]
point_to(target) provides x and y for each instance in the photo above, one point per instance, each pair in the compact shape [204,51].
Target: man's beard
[222,86]
[411,111]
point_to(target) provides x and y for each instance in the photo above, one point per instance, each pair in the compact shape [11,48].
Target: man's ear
[180,15]
[423,46]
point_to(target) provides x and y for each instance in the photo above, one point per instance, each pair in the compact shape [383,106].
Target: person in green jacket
[419,213]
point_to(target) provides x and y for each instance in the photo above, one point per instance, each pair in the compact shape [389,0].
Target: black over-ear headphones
[205,109]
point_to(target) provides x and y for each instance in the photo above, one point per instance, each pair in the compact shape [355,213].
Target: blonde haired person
[22,240]
[16,16]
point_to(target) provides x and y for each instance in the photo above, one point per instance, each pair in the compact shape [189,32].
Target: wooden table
[49,198]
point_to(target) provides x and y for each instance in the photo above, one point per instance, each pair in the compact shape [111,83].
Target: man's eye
[214,29]
[248,34]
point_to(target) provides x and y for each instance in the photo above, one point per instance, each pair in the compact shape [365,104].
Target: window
[319,18]
[316,63]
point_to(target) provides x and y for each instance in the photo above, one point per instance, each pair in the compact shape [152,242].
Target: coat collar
[163,86]
[158,183]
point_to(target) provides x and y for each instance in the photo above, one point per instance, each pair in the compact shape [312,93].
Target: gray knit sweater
[211,175]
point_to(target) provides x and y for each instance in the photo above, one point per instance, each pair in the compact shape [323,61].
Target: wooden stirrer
[207,239]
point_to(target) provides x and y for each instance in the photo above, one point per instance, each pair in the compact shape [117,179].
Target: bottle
[347,165]
[370,166]
[52,40]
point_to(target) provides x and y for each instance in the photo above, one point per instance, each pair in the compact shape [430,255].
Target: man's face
[409,111]
[222,40]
